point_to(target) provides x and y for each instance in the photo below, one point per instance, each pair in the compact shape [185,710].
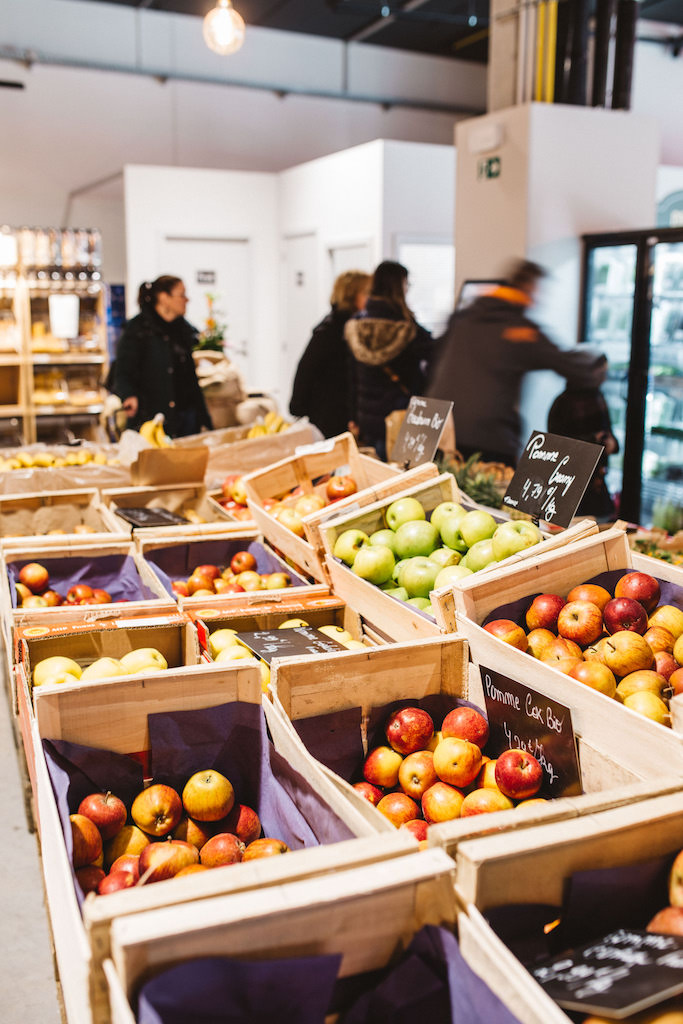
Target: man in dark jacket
[485,353]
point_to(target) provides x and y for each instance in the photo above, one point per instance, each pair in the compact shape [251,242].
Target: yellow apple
[336,632]
[265,676]
[144,659]
[354,645]
[649,705]
[221,638]
[292,624]
[233,653]
[103,668]
[670,617]
[54,669]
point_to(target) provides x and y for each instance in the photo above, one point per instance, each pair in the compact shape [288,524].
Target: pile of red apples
[291,508]
[626,645]
[34,591]
[239,576]
[168,835]
[422,777]
[234,498]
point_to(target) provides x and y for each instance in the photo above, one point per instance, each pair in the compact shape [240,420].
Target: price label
[420,431]
[551,477]
[289,643]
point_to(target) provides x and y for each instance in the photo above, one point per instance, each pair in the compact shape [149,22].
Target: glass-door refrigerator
[632,310]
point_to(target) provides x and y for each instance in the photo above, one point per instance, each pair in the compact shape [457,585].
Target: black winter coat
[390,364]
[322,383]
[154,362]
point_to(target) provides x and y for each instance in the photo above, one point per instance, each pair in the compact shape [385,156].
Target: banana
[148,431]
[43,459]
[269,419]
[161,437]
[274,426]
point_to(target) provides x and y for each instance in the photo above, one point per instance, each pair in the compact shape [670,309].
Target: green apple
[423,603]
[400,593]
[514,536]
[479,555]
[386,537]
[348,544]
[450,532]
[416,537]
[444,511]
[418,575]
[397,568]
[403,510]
[450,574]
[374,563]
[445,556]
[477,525]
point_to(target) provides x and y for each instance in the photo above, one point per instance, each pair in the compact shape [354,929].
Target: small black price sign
[551,476]
[522,718]
[420,431]
[289,643]
[615,976]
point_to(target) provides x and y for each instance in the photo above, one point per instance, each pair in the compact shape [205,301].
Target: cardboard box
[231,451]
[164,466]
[301,470]
[46,515]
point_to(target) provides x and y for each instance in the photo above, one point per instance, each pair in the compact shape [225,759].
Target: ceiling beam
[379,23]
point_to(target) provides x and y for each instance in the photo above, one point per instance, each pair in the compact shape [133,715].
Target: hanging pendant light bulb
[223,28]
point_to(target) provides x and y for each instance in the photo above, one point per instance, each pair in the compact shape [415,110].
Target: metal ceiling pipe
[577,85]
[627,17]
[604,11]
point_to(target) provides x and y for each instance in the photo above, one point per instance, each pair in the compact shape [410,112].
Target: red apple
[249,580]
[127,862]
[371,793]
[381,767]
[80,593]
[418,827]
[89,878]
[199,582]
[538,640]
[668,921]
[242,561]
[625,613]
[100,596]
[596,675]
[211,571]
[560,649]
[180,588]
[195,832]
[233,588]
[265,848]
[53,598]
[467,724]
[484,801]
[115,881]
[191,869]
[157,810]
[107,811]
[486,779]
[676,681]
[596,652]
[34,576]
[580,621]
[441,802]
[87,841]
[639,586]
[208,796]
[626,651]
[226,486]
[665,664]
[244,823]
[238,491]
[518,774]
[416,773]
[659,639]
[409,729]
[340,487]
[160,861]
[543,611]
[398,807]
[590,592]
[224,848]
[509,632]
[457,761]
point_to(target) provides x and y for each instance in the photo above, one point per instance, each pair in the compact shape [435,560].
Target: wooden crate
[616,769]
[364,914]
[300,470]
[533,866]
[35,515]
[175,498]
[118,722]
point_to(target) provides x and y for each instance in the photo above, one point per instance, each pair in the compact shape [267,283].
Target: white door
[300,305]
[431,276]
[217,267]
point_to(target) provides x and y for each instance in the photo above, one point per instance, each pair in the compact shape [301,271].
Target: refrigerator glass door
[610,295]
[662,488]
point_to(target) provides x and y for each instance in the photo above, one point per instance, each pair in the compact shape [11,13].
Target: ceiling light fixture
[223,28]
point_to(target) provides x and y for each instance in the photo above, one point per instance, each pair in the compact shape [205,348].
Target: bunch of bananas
[48,460]
[273,423]
[153,432]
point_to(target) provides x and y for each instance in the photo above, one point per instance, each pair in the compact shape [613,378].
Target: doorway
[300,305]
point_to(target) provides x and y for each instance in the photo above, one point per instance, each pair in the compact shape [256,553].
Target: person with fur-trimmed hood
[391,355]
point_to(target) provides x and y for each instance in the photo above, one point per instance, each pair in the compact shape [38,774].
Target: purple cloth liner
[516,610]
[429,981]
[178,561]
[117,574]
[335,738]
[232,738]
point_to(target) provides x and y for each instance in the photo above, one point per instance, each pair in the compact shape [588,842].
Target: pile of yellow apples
[59,669]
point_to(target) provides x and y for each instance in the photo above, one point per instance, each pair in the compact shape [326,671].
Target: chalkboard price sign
[420,431]
[289,643]
[522,718]
[551,476]
[620,974]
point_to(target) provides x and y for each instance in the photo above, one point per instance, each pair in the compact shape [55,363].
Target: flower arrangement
[213,335]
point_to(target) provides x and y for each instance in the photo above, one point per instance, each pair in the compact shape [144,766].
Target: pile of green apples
[414,554]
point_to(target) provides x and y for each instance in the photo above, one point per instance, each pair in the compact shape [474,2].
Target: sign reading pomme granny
[523,719]
[289,643]
[551,476]
[420,431]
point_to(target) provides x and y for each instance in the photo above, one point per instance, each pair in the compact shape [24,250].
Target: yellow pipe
[550,53]
[540,48]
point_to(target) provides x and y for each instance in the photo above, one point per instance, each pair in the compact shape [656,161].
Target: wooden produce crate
[231,451]
[365,914]
[534,867]
[468,605]
[300,470]
[118,722]
[55,513]
[186,500]
[615,770]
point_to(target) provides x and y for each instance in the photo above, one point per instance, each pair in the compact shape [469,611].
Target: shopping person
[391,355]
[154,369]
[321,387]
[485,353]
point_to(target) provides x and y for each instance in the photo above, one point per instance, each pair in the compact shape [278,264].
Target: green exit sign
[489,167]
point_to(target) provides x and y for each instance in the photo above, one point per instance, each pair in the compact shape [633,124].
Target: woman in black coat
[154,369]
[391,355]
[322,380]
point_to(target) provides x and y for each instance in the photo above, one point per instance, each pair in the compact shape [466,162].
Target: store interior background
[280,189]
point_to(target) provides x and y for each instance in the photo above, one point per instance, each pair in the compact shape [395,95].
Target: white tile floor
[30,992]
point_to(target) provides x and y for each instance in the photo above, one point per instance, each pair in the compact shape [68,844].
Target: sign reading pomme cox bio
[420,431]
